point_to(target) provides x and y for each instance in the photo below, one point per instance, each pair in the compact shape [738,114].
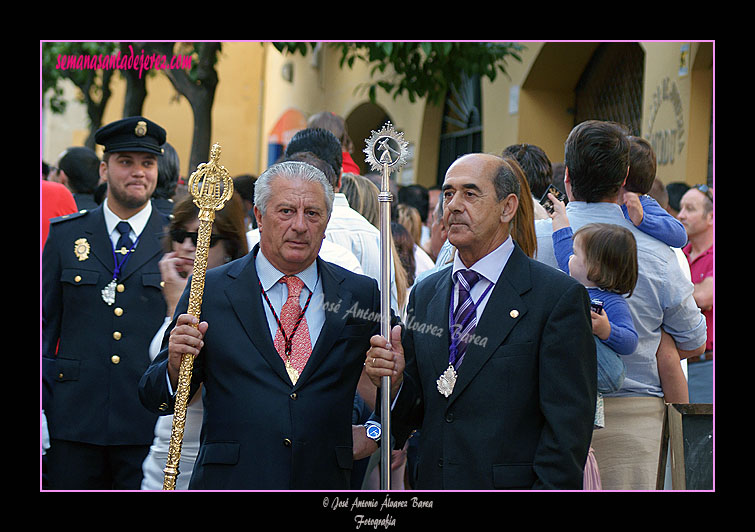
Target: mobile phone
[596,305]
[546,202]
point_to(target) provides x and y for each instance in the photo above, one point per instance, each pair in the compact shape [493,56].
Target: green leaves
[56,57]
[419,70]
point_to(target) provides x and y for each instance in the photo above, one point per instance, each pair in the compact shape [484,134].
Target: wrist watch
[374,431]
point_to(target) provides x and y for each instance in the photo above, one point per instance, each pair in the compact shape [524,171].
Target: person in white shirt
[346,227]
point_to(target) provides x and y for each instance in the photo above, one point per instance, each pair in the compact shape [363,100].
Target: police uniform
[96,329]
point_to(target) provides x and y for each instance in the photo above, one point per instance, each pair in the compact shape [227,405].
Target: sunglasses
[705,189]
[179,235]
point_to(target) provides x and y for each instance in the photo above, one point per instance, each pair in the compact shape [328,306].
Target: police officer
[101,306]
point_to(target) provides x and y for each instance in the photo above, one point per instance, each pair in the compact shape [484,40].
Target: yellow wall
[235,114]
[676,104]
[701,97]
[532,103]
[319,84]
[666,109]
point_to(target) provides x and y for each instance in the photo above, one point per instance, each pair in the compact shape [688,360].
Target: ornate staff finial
[386,147]
[211,185]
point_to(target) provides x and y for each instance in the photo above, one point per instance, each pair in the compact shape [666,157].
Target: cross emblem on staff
[384,144]
[386,148]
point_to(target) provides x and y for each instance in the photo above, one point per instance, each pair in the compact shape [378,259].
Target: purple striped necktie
[464,321]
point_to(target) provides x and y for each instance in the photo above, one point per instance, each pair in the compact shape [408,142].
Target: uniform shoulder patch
[72,216]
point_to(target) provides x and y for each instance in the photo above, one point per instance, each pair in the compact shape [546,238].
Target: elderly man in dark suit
[496,363]
[101,305]
[279,351]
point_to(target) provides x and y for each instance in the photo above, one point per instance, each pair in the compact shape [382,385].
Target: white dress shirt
[489,267]
[353,231]
[277,293]
[137,222]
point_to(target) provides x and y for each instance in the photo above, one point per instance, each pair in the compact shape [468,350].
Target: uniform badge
[81,249]
[141,128]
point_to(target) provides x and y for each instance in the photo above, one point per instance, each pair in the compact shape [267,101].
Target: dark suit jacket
[95,354]
[259,431]
[521,413]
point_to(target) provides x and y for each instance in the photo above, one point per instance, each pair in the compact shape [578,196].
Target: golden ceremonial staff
[386,151]
[211,186]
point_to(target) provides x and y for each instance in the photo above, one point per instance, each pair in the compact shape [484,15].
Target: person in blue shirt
[640,208]
[596,156]
[603,257]
[652,219]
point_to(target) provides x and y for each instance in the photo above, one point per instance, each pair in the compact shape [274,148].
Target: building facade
[662,91]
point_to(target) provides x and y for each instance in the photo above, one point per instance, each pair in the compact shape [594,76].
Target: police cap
[134,133]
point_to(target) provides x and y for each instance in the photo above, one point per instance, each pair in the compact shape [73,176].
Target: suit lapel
[149,244]
[333,293]
[101,246]
[498,318]
[246,300]
[437,346]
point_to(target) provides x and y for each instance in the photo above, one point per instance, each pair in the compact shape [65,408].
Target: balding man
[496,363]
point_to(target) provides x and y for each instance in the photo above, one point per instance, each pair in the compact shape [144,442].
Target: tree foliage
[419,69]
[94,84]
[86,65]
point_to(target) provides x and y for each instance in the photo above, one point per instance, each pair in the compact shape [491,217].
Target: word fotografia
[374,522]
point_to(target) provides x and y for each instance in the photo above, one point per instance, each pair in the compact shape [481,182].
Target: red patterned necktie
[300,344]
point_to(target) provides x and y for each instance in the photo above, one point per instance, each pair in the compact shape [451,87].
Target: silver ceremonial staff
[386,151]
[211,186]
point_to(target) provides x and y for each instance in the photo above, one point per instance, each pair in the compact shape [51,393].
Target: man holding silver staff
[279,350]
[505,397]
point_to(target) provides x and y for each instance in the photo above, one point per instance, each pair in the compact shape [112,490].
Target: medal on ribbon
[459,338]
[447,381]
[108,293]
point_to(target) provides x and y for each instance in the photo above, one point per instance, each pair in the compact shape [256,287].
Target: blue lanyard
[453,349]
[118,266]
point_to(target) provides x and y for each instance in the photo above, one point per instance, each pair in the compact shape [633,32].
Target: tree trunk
[136,86]
[199,88]
[96,108]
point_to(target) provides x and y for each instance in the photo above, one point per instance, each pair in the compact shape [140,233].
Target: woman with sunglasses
[228,242]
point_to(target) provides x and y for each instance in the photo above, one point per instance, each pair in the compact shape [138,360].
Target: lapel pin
[514,313]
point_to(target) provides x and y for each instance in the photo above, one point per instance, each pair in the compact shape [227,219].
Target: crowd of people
[542,315]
